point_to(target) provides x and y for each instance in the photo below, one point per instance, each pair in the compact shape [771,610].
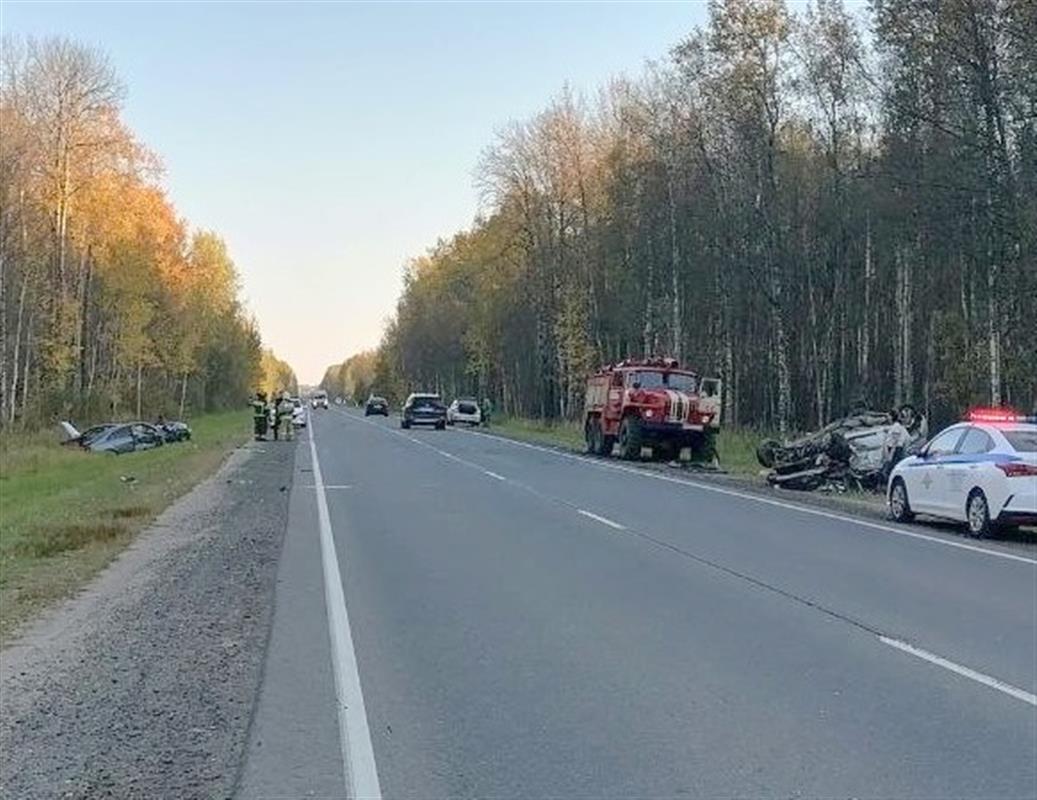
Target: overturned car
[854,452]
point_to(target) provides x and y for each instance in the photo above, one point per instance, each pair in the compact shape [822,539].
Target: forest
[111,305]
[817,204]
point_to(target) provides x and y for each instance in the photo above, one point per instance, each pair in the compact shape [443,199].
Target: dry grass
[65,513]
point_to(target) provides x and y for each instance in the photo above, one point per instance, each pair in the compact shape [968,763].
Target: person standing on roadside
[487,410]
[285,410]
[260,416]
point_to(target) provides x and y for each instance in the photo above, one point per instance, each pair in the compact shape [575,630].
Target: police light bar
[997,415]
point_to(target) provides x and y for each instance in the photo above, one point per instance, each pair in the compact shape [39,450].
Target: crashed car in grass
[854,452]
[174,431]
[115,437]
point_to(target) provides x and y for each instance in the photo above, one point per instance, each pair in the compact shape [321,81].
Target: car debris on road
[854,452]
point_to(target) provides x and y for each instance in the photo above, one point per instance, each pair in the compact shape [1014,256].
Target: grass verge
[736,448]
[66,513]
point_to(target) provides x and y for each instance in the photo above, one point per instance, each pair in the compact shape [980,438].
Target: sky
[327,142]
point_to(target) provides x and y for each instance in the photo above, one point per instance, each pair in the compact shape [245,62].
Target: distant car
[319,400]
[464,409]
[982,472]
[424,408]
[376,405]
[125,438]
[298,413]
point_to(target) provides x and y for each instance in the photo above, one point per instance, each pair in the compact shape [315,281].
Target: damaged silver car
[854,452]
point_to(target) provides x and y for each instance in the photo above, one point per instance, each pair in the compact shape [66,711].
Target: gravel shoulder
[143,685]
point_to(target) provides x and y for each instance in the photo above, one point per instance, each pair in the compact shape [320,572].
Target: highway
[501,620]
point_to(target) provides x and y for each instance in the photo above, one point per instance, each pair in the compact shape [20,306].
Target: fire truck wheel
[630,438]
[703,447]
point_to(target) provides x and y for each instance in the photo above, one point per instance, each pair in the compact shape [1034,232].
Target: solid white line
[602,520]
[354,736]
[766,500]
[979,677]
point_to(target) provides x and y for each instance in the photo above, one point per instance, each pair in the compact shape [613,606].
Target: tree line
[816,206]
[110,304]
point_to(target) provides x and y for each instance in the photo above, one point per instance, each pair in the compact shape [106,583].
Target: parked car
[376,405]
[464,409]
[424,408]
[298,413]
[121,438]
[982,472]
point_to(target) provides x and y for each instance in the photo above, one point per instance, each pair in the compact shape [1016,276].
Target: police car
[982,472]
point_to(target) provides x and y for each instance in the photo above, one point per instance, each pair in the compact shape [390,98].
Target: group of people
[276,414]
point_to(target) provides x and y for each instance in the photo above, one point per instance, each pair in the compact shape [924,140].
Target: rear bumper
[1019,509]
[458,417]
[425,419]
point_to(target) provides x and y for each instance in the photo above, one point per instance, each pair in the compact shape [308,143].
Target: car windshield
[1024,440]
[94,433]
[659,379]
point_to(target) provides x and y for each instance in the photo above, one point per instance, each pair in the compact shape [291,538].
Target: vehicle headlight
[649,413]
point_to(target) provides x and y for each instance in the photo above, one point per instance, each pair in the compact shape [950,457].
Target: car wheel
[899,505]
[404,423]
[630,438]
[441,425]
[977,513]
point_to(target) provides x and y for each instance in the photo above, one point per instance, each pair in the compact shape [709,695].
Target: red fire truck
[651,403]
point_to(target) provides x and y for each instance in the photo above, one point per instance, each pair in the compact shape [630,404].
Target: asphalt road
[529,624]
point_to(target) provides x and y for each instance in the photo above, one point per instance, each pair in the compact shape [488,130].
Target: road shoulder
[143,685]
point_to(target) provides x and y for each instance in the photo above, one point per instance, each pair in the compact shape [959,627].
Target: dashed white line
[979,677]
[354,736]
[766,500]
[494,475]
[602,520]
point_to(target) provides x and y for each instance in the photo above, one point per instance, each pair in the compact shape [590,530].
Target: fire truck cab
[651,403]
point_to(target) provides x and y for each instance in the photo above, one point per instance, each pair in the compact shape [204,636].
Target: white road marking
[354,736]
[898,644]
[766,500]
[494,475]
[979,677]
[602,520]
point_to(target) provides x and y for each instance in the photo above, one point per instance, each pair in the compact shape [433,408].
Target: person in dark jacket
[260,416]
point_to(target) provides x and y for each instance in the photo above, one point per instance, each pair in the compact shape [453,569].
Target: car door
[119,440]
[964,470]
[927,480]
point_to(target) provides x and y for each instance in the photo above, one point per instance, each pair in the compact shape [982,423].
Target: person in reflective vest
[285,409]
[259,416]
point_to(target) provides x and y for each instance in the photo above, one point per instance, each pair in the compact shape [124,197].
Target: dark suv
[424,408]
[376,405]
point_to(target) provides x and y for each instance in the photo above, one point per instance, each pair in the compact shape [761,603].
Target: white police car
[982,472]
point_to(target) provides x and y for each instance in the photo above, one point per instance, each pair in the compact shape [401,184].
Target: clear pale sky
[330,142]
